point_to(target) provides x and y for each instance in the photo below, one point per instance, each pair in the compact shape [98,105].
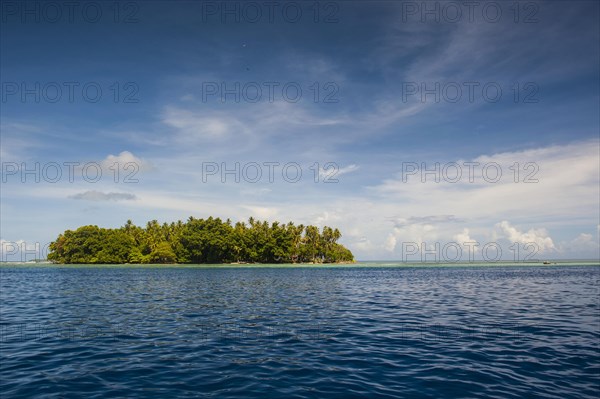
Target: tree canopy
[200,241]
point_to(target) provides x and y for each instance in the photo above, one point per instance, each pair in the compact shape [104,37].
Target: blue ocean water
[311,332]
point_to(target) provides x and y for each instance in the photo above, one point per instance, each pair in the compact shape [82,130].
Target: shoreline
[355,264]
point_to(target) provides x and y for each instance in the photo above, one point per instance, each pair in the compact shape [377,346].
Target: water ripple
[477,332]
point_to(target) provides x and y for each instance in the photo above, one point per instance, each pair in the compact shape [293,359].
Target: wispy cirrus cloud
[94,195]
[430,219]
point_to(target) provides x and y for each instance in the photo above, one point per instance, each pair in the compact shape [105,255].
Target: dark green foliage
[163,253]
[91,244]
[200,241]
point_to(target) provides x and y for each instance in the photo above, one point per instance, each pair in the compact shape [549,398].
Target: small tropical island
[200,241]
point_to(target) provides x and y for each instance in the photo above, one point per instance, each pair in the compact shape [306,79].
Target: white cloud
[390,243]
[94,195]
[261,191]
[584,245]
[361,245]
[538,237]
[429,219]
[312,69]
[18,141]
[124,158]
[417,233]
[567,189]
[327,217]
[247,128]
[333,171]
[261,212]
[463,237]
[200,126]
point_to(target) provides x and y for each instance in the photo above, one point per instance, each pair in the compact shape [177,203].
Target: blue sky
[380,84]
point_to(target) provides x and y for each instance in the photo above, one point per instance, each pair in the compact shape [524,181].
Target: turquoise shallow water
[340,332]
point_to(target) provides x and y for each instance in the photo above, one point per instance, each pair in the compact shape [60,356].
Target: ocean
[377,330]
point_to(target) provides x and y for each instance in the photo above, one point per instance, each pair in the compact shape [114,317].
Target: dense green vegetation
[200,241]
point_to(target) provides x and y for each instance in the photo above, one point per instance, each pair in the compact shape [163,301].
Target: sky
[422,130]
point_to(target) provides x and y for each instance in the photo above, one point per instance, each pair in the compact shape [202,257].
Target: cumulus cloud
[261,212]
[434,237]
[583,245]
[123,159]
[417,233]
[463,237]
[327,217]
[390,243]
[538,237]
[94,195]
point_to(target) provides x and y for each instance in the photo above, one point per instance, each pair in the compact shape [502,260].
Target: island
[200,241]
